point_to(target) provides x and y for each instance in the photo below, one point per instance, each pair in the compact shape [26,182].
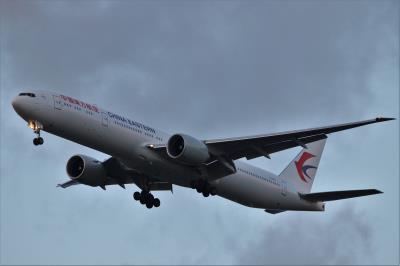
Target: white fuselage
[126,139]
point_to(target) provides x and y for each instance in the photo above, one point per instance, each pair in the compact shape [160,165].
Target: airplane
[155,161]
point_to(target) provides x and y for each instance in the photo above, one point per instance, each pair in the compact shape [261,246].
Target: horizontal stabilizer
[338,195]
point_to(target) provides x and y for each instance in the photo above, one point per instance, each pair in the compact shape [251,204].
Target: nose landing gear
[36,126]
[38,141]
[146,198]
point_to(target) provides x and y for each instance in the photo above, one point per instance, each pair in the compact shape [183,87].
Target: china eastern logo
[301,168]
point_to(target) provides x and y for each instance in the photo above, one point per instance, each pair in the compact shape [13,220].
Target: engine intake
[86,170]
[187,149]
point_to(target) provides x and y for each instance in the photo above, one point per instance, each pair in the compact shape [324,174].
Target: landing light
[35,125]
[32,125]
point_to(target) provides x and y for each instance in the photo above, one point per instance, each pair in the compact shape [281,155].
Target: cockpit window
[27,94]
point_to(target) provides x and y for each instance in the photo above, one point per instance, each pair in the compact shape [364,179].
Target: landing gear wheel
[143,193]
[149,198]
[142,200]
[204,187]
[202,184]
[37,127]
[206,194]
[38,141]
[156,202]
[136,195]
[146,198]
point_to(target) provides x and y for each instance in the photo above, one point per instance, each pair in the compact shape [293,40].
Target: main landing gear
[36,126]
[203,187]
[146,198]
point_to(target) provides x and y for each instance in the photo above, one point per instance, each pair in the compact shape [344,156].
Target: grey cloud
[343,239]
[248,56]
[211,69]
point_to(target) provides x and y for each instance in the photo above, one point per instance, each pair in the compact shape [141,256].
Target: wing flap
[273,211]
[338,195]
[68,183]
[254,152]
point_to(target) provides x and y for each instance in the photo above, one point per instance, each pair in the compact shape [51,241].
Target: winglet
[383,119]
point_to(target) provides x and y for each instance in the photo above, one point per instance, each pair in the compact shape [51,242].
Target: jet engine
[187,149]
[86,170]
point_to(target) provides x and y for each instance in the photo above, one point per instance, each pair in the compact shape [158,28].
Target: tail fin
[302,169]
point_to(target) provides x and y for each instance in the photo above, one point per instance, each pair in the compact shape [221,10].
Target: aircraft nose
[15,103]
[18,105]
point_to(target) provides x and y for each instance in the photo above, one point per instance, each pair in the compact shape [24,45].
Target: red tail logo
[301,168]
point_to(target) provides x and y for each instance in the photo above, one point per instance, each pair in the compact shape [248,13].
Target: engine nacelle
[187,149]
[86,170]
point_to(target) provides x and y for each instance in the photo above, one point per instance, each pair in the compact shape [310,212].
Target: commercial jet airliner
[154,160]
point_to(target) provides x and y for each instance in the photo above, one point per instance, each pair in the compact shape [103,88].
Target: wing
[252,147]
[224,151]
[119,174]
[263,145]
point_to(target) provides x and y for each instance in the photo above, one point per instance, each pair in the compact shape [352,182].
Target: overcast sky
[210,69]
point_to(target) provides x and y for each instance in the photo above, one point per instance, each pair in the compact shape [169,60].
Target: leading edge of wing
[302,133]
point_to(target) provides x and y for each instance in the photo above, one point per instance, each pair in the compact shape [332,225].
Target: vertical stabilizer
[302,169]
